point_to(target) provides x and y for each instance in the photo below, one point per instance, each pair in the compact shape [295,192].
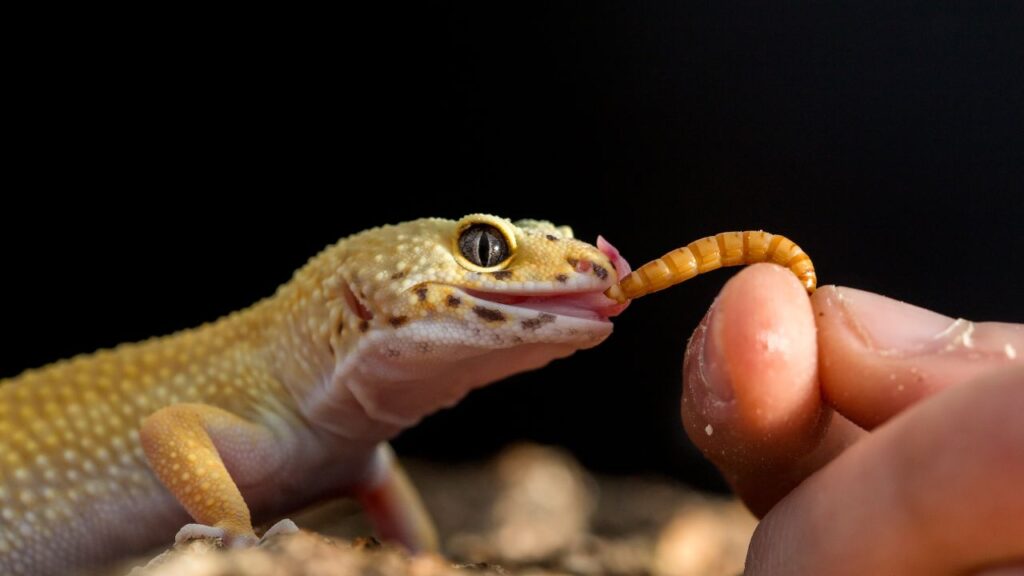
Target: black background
[165,169]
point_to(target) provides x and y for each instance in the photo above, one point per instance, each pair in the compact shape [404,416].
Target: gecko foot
[199,531]
[285,526]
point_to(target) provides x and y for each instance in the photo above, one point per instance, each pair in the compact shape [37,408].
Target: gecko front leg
[201,454]
[393,505]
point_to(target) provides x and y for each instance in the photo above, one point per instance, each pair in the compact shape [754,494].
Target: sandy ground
[530,511]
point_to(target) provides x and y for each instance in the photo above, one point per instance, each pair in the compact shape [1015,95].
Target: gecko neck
[304,339]
[343,379]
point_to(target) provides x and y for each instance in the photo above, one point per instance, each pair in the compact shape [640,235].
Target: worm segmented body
[713,252]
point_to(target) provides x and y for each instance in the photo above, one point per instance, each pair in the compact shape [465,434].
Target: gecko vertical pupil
[483,245]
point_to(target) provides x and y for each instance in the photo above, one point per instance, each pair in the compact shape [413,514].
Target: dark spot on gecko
[364,325]
[502,274]
[572,261]
[821,314]
[489,314]
[398,275]
[551,237]
[517,340]
[600,272]
[421,293]
[563,278]
[534,323]
[339,329]
[453,301]
[392,353]
[397,321]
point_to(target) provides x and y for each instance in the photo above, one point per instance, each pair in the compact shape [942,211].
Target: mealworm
[710,253]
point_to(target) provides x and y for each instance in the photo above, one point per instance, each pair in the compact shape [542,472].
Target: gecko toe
[202,531]
[285,526]
[282,527]
[197,532]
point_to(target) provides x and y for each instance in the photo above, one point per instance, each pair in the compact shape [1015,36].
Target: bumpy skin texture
[288,401]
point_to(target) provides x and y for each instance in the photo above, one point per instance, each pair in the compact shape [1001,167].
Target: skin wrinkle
[956,336]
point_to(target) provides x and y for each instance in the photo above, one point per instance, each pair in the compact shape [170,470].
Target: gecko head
[438,307]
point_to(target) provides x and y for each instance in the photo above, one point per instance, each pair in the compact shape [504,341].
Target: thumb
[878,356]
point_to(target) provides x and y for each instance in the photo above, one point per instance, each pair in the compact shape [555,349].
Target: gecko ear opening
[484,243]
[354,304]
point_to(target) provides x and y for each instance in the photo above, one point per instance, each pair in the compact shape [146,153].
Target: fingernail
[712,364]
[889,325]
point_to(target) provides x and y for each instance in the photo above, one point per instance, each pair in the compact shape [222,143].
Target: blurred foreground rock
[532,511]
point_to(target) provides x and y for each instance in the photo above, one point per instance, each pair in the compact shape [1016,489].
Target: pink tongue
[621,270]
[587,305]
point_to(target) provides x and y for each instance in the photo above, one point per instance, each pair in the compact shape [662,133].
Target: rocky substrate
[531,511]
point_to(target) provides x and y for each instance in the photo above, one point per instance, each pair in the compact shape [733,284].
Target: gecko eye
[484,245]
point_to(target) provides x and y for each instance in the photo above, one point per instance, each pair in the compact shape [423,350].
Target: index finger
[751,398]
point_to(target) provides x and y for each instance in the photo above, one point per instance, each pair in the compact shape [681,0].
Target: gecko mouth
[590,305]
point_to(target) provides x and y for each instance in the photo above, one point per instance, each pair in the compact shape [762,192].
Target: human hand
[874,437]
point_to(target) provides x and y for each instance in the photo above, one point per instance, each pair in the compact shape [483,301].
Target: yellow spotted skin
[711,253]
[276,406]
[70,445]
[177,441]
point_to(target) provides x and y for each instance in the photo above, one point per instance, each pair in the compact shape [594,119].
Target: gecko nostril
[581,266]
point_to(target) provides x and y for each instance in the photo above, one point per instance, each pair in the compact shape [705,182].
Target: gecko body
[292,400]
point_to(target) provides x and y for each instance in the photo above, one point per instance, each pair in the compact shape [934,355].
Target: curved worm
[713,252]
